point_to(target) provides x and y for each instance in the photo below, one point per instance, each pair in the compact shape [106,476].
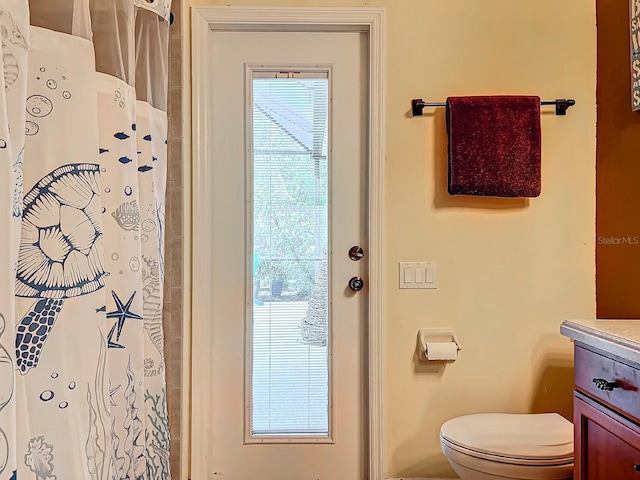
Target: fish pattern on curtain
[133,250]
[119,162]
[89,397]
[14,37]
[152,171]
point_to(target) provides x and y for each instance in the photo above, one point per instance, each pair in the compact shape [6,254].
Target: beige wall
[509,271]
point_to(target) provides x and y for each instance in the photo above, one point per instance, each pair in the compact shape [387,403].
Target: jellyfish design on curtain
[83,146]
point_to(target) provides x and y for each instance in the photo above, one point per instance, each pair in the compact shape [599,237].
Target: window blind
[290,371]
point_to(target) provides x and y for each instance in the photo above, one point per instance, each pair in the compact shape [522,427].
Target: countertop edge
[601,340]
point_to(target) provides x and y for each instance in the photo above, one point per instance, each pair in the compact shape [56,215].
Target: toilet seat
[517,461]
[529,440]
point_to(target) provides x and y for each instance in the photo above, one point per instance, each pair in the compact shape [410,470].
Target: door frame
[203,21]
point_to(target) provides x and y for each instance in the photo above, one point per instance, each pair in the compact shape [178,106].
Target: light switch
[431,272]
[418,275]
[407,272]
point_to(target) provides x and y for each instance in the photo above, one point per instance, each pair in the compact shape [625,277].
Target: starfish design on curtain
[122,313]
[110,342]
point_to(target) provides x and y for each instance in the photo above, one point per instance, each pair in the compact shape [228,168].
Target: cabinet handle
[602,384]
[636,467]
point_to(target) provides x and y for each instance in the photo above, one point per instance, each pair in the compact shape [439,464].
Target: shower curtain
[83,149]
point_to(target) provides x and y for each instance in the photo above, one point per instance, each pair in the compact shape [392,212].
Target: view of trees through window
[290,185]
[289,324]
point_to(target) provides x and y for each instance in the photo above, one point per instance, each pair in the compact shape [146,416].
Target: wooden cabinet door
[608,446]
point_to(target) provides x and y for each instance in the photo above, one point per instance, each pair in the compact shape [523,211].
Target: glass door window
[289,319]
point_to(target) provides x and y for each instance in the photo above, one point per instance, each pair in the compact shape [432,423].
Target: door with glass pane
[289,160]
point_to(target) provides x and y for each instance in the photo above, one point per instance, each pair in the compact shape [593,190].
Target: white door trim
[203,20]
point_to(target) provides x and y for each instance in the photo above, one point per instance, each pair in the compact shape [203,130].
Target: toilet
[500,446]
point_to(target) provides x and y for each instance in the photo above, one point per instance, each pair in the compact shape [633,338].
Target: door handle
[356,284]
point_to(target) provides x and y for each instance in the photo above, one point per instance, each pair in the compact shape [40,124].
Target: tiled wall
[173,288]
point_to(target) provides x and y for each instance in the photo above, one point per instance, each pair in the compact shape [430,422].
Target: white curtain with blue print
[14,37]
[82,372]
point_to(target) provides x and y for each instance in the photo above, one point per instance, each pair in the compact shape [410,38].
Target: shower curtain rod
[562,104]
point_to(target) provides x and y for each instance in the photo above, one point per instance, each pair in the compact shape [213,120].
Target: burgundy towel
[494,146]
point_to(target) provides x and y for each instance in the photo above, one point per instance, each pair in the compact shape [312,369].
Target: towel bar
[562,104]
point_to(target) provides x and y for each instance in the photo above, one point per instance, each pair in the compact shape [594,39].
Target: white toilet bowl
[501,446]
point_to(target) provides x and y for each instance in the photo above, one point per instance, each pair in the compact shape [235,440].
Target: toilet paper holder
[435,335]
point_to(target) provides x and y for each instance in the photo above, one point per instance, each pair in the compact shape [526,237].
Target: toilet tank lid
[527,436]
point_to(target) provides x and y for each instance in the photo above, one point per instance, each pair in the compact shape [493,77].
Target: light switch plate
[418,275]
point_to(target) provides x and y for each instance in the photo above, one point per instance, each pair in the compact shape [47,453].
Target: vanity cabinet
[606,416]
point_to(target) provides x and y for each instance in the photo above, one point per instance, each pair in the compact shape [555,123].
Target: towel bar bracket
[417,104]
[562,105]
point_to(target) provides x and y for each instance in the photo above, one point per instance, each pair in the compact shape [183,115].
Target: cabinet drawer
[613,383]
